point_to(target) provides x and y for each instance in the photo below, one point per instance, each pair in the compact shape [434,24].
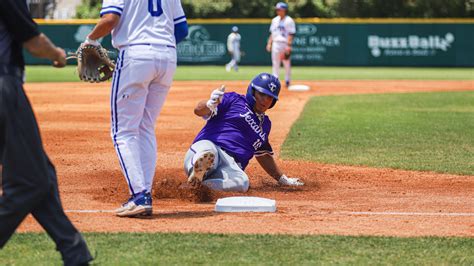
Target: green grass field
[416,131]
[50,74]
[211,249]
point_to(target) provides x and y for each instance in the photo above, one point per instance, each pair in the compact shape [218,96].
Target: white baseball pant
[234,61]
[141,82]
[277,49]
[225,175]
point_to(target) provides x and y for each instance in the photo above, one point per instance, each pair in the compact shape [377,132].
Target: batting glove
[212,105]
[290,181]
[91,42]
[217,95]
[215,99]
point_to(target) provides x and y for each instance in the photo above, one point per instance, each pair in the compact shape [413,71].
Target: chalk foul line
[89,211]
[354,213]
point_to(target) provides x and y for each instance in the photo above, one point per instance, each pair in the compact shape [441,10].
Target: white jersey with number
[282,28]
[142,78]
[144,21]
[233,42]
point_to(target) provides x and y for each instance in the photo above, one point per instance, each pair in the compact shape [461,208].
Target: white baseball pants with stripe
[277,49]
[140,84]
[235,60]
[225,175]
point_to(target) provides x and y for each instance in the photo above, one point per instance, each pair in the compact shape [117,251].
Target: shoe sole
[121,209]
[124,208]
[203,164]
[137,211]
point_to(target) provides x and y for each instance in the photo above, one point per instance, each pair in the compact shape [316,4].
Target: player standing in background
[282,31]
[29,180]
[146,34]
[233,46]
[237,129]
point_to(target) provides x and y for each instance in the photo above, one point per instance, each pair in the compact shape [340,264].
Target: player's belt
[8,70]
[150,44]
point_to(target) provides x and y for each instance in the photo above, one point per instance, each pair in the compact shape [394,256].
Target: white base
[299,87]
[245,204]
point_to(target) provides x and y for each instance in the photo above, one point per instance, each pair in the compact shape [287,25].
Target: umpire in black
[29,178]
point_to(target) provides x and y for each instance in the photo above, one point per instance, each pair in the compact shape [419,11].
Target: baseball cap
[281,5]
[235,29]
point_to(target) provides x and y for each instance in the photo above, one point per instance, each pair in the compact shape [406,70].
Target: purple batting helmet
[264,83]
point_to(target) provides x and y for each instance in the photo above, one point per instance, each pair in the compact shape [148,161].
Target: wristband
[92,42]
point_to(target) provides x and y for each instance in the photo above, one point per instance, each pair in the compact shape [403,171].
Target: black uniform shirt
[16,27]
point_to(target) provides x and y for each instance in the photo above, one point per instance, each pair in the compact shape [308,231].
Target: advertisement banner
[315,44]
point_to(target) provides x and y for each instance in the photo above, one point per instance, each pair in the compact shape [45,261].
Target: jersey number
[155,11]
[257,144]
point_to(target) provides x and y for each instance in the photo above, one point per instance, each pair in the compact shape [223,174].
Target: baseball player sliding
[146,34]
[236,130]
[282,31]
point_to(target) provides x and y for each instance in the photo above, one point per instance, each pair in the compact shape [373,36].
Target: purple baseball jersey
[238,130]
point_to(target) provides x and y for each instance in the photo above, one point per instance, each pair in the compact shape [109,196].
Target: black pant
[29,178]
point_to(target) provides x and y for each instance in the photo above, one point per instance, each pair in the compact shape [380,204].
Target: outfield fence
[325,42]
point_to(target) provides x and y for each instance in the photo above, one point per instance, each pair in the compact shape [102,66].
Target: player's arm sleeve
[291,27]
[266,149]
[112,7]
[180,31]
[18,20]
[180,23]
[229,43]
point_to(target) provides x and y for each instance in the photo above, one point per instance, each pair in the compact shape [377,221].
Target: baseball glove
[93,63]
[285,55]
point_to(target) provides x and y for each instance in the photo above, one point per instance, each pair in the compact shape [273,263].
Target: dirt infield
[74,119]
